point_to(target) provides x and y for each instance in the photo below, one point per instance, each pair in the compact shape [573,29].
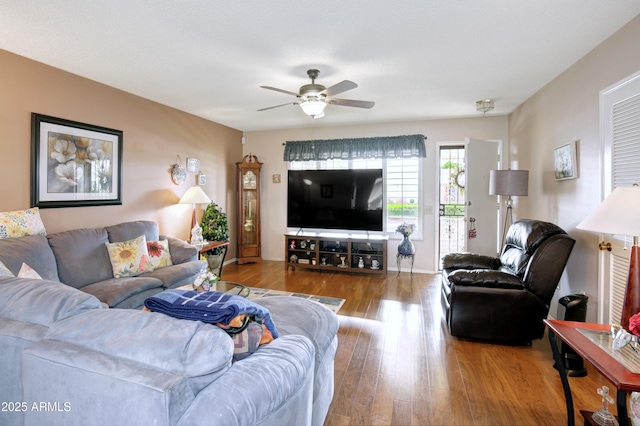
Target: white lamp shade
[195,195]
[509,182]
[619,213]
[313,107]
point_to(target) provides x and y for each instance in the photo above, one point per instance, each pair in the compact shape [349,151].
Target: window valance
[378,147]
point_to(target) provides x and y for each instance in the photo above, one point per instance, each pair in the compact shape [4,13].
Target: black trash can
[572,308]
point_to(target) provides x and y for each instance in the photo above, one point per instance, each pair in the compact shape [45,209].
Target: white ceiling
[417,59]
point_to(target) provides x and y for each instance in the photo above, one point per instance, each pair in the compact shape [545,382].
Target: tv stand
[336,253]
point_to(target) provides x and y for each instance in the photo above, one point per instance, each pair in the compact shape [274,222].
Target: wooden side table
[624,380]
[210,245]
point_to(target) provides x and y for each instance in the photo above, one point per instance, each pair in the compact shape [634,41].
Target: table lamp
[619,213]
[194,195]
[510,183]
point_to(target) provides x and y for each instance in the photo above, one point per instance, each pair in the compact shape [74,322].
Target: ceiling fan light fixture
[313,107]
[484,105]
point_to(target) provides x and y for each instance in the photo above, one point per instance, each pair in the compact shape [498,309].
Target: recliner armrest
[454,261]
[486,278]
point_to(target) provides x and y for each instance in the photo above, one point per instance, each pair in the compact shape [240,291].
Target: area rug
[332,303]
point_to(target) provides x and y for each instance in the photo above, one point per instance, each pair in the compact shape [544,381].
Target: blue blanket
[208,306]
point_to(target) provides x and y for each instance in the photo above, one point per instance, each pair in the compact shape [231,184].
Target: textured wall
[153,136]
[564,110]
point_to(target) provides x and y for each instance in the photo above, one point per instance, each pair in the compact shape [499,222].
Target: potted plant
[215,228]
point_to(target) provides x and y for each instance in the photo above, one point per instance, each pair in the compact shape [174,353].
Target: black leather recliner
[505,299]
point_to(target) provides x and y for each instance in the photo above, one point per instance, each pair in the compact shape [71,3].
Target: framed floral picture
[74,164]
[565,164]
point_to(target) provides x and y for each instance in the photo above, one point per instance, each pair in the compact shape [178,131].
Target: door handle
[472,219]
[604,246]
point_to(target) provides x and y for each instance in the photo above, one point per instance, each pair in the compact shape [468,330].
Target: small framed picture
[202,179]
[193,165]
[565,163]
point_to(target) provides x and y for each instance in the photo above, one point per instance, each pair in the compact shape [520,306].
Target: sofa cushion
[129,258]
[132,291]
[33,250]
[191,349]
[82,256]
[41,302]
[159,254]
[27,308]
[129,230]
[181,251]
[21,223]
[4,271]
[179,274]
[294,315]
[27,271]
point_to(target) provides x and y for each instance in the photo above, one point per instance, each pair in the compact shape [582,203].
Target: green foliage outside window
[456,169]
[453,210]
[404,210]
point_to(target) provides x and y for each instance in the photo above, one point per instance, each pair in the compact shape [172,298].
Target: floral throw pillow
[159,254]
[129,258]
[21,223]
[4,271]
[27,271]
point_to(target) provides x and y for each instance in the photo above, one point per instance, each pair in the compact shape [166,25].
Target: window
[402,186]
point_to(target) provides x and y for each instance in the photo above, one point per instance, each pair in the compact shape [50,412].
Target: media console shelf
[336,253]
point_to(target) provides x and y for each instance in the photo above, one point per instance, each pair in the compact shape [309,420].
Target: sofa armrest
[181,251]
[272,386]
[78,377]
[453,261]
[486,278]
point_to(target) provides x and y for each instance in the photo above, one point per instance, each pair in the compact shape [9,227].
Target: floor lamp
[619,214]
[510,183]
[194,195]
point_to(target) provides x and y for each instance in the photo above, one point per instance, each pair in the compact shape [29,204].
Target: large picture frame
[74,164]
[565,164]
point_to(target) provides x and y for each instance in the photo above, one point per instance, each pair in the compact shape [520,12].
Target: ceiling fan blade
[278,106]
[343,86]
[280,90]
[351,103]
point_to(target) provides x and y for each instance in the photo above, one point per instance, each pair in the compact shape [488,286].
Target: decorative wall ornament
[202,179]
[178,172]
[193,165]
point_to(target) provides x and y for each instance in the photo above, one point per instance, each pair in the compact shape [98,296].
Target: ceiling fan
[313,98]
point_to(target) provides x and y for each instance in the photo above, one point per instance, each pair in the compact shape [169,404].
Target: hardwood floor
[397,364]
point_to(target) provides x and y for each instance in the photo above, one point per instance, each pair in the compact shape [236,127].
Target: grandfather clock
[248,220]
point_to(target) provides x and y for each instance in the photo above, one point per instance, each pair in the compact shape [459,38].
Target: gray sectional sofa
[67,359]
[79,258]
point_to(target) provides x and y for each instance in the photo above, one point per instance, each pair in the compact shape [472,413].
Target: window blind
[625,171]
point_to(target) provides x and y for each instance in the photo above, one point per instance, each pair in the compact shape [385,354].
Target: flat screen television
[335,199]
